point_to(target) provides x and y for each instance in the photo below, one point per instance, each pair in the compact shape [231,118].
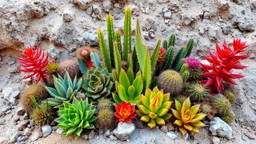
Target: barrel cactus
[65,90]
[98,83]
[76,116]
[154,106]
[186,117]
[198,91]
[222,105]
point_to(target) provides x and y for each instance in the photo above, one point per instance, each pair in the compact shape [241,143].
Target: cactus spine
[222,105]
[69,66]
[105,116]
[230,96]
[198,91]
[172,40]
[169,56]
[228,117]
[170,81]
[189,47]
[165,44]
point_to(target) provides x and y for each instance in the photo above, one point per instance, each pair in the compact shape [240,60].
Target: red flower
[161,56]
[125,112]
[34,61]
[222,64]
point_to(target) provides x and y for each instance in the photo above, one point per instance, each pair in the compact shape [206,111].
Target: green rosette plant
[154,107]
[65,89]
[128,87]
[76,116]
[98,83]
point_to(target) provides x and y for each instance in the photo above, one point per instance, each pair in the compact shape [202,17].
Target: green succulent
[98,83]
[129,87]
[76,116]
[65,90]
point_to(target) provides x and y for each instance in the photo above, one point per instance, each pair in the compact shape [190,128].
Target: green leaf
[69,92]
[146,72]
[82,66]
[138,84]
[119,44]
[104,51]
[154,56]
[122,93]
[95,59]
[124,80]
[116,98]
[52,91]
[131,92]
[130,74]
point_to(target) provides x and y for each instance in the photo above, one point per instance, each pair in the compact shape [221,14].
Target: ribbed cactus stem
[181,54]
[117,58]
[189,47]
[172,40]
[127,33]
[119,43]
[169,58]
[185,75]
[165,44]
[111,34]
[104,51]
[184,68]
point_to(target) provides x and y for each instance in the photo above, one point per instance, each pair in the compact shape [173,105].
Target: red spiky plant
[34,61]
[161,56]
[222,64]
[125,112]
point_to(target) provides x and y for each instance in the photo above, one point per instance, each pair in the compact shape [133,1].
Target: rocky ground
[61,26]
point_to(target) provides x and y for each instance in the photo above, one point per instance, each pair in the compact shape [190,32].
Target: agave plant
[186,116]
[154,107]
[98,83]
[65,90]
[76,116]
[128,87]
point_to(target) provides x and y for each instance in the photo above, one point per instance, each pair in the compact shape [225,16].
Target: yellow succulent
[154,107]
[187,118]
[52,67]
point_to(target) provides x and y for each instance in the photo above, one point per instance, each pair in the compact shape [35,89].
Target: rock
[247,25]
[215,140]
[106,5]
[22,138]
[83,4]
[96,12]
[59,130]
[13,69]
[172,135]
[107,133]
[201,30]
[85,137]
[11,94]
[213,34]
[20,111]
[27,131]
[138,123]
[223,5]
[164,128]
[47,130]
[91,134]
[249,135]
[113,138]
[7,92]
[89,10]
[124,130]
[24,117]
[226,30]
[170,126]
[14,138]
[163,1]
[67,15]
[167,15]
[36,134]
[2,121]
[220,128]
[186,136]
[5,108]
[253,3]
[22,125]
[88,38]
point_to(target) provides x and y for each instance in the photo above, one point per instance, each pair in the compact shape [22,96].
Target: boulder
[220,128]
[124,130]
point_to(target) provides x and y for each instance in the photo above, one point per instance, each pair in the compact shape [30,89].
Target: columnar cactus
[154,106]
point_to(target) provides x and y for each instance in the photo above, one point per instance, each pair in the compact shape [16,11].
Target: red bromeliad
[34,61]
[222,64]
[125,112]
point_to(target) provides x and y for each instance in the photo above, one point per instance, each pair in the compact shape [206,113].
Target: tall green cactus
[169,55]
[127,33]
[104,51]
[119,43]
[111,36]
[165,44]
[178,61]
[189,47]
[172,40]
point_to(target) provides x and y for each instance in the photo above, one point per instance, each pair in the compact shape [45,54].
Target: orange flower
[125,112]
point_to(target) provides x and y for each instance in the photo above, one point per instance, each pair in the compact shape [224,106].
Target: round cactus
[228,118]
[223,105]
[208,108]
[69,66]
[98,83]
[105,119]
[38,92]
[230,96]
[198,91]
[181,98]
[170,81]
[104,104]
[42,115]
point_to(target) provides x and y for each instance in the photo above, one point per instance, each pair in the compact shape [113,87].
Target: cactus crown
[230,96]
[105,119]
[41,114]
[208,108]
[222,105]
[198,91]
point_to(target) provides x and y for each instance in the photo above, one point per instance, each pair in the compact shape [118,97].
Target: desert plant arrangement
[125,81]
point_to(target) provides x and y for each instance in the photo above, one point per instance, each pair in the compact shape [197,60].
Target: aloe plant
[65,90]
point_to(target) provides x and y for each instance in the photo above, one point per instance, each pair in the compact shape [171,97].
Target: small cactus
[181,98]
[52,67]
[170,81]
[71,67]
[104,104]
[223,105]
[185,75]
[198,91]
[36,91]
[105,119]
[208,108]
[228,118]
[230,96]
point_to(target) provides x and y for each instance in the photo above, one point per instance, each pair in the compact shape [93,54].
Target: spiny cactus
[181,98]
[223,105]
[104,104]
[228,117]
[193,65]
[36,91]
[170,81]
[42,114]
[105,119]
[230,96]
[185,75]
[198,91]
[208,108]
[69,66]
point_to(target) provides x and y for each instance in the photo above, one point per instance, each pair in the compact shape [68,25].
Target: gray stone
[164,128]
[91,134]
[249,135]
[172,135]
[27,131]
[67,15]
[247,25]
[5,108]
[11,94]
[22,138]
[20,111]
[253,3]
[22,125]
[124,130]
[167,15]
[226,30]
[215,140]
[7,92]
[113,138]
[2,121]
[163,1]
[220,128]
[223,5]
[201,30]
[88,38]
[107,133]
[213,34]
[13,69]
[85,137]
[89,10]
[36,134]
[186,136]
[47,130]
[83,4]
[59,130]
[106,5]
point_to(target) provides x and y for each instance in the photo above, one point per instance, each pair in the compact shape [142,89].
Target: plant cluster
[131,81]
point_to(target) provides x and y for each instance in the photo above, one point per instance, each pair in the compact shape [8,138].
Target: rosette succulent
[186,116]
[125,112]
[98,83]
[154,106]
[65,90]
[76,116]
